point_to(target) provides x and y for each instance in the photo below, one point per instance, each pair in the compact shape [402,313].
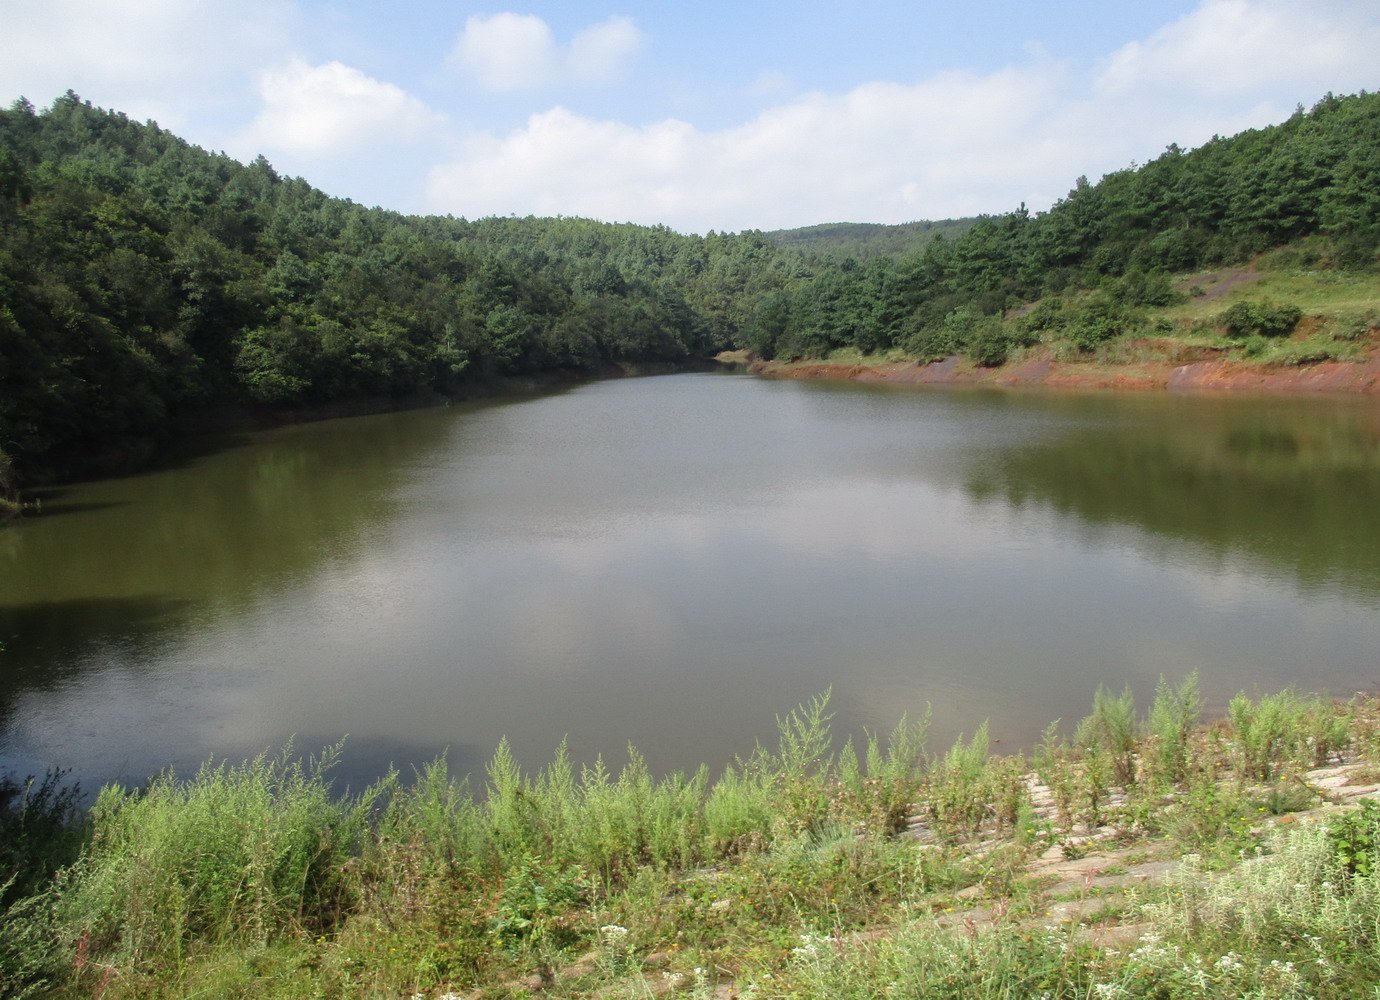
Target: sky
[756,114]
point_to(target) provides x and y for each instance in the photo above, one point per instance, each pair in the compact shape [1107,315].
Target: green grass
[1339,319]
[794,874]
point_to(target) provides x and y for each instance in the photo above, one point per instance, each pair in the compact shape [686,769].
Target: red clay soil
[1191,375]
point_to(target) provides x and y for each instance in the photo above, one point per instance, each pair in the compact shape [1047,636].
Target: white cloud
[508,51]
[1228,47]
[953,144]
[880,151]
[258,75]
[172,60]
[598,53]
[332,109]
[519,52]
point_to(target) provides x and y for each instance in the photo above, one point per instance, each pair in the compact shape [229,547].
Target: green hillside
[1104,258]
[865,240]
[143,279]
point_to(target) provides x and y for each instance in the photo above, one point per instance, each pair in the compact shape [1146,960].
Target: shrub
[1174,717]
[41,830]
[1264,318]
[1355,839]
[958,787]
[1283,729]
[1356,326]
[988,343]
[244,854]
[1112,726]
[1098,319]
[1048,314]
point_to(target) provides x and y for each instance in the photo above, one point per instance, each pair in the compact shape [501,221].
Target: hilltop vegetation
[864,240]
[142,279]
[1092,268]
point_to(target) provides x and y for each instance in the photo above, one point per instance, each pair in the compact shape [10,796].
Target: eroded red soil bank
[1215,375]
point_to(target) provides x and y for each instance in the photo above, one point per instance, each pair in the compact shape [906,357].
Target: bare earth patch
[1040,370]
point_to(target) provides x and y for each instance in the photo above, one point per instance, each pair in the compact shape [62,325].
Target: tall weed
[241,854]
[1112,726]
[1175,716]
[957,790]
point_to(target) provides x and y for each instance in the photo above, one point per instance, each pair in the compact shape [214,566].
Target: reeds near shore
[807,869]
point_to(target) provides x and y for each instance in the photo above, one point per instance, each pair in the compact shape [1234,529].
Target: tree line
[143,278]
[1102,253]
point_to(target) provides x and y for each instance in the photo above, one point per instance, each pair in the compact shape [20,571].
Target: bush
[244,854]
[41,829]
[1098,319]
[935,341]
[1174,717]
[1264,318]
[1355,839]
[1047,315]
[989,344]
[1356,326]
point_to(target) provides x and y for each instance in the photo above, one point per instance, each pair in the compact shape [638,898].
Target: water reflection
[675,561]
[1291,483]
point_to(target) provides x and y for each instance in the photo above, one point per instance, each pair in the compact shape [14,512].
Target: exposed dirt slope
[1201,373]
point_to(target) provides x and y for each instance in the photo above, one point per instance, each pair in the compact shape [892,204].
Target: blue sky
[706,116]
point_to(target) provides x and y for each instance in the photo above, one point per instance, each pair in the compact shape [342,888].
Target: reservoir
[675,561]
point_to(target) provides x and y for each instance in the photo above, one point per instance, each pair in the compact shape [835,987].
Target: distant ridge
[865,240]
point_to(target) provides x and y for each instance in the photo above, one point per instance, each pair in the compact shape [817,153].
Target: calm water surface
[675,561]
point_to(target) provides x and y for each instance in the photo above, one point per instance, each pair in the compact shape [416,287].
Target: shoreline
[1041,370]
[191,432]
[802,874]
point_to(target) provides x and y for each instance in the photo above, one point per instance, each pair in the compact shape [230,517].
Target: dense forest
[143,278]
[1120,239]
[864,240]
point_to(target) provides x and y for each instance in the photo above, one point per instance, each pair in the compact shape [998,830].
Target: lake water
[675,561]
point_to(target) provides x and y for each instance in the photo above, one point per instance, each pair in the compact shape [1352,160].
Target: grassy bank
[1139,854]
[1282,313]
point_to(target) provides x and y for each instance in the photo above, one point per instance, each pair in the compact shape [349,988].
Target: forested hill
[1099,257]
[142,278]
[864,240]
